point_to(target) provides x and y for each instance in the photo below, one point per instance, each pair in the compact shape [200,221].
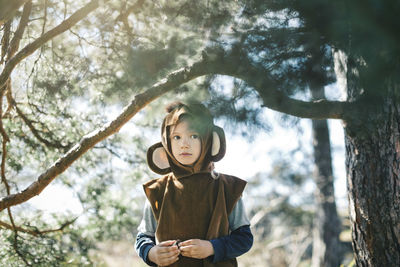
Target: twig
[15,243]
[14,45]
[36,232]
[44,16]
[5,139]
[305,240]
[35,132]
[133,9]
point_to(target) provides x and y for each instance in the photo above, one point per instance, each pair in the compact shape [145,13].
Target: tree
[242,45]
[326,244]
[327,249]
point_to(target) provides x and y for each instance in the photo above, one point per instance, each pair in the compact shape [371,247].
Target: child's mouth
[186,154]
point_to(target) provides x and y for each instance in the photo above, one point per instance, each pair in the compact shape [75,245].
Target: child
[196,215]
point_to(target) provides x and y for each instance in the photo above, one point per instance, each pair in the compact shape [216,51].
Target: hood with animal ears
[213,146]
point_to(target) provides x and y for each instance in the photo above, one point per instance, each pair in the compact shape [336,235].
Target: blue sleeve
[143,245]
[233,245]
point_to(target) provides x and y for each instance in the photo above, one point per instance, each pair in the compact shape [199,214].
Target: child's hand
[164,254]
[196,248]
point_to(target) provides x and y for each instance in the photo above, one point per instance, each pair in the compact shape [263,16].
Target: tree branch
[35,132]
[36,232]
[236,64]
[87,142]
[14,45]
[8,9]
[32,47]
[132,9]
[4,140]
[5,41]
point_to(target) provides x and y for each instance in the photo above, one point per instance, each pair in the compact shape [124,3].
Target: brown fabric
[195,206]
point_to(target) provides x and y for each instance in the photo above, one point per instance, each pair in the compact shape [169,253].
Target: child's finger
[170,253]
[187,250]
[187,242]
[169,249]
[167,243]
[169,256]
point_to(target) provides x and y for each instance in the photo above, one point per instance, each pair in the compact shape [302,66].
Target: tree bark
[327,225]
[372,139]
[373,169]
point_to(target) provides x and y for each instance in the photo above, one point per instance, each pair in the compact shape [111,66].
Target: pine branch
[35,131]
[172,81]
[236,64]
[32,47]
[36,232]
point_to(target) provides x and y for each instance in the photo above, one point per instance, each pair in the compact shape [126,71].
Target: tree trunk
[373,169]
[327,225]
[372,140]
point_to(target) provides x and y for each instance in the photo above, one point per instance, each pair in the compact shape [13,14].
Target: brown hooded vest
[188,203]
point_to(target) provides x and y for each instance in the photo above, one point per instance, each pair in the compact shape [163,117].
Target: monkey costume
[190,202]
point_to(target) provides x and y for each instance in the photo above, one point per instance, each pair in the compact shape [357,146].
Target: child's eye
[194,136]
[176,137]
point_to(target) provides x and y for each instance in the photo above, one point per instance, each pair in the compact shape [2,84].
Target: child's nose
[185,142]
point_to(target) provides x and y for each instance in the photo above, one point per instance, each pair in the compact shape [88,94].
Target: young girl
[193,216]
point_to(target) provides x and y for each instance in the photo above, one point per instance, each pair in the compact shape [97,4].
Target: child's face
[185,143]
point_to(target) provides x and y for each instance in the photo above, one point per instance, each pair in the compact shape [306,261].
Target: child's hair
[198,116]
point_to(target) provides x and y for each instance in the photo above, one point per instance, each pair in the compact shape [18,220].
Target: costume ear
[218,146]
[157,159]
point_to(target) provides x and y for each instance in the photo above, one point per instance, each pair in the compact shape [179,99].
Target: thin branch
[5,41]
[18,228]
[44,16]
[32,47]
[15,243]
[257,218]
[35,132]
[132,9]
[123,16]
[36,232]
[14,45]
[3,162]
[7,10]
[173,80]
[60,229]
[4,140]
[9,100]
